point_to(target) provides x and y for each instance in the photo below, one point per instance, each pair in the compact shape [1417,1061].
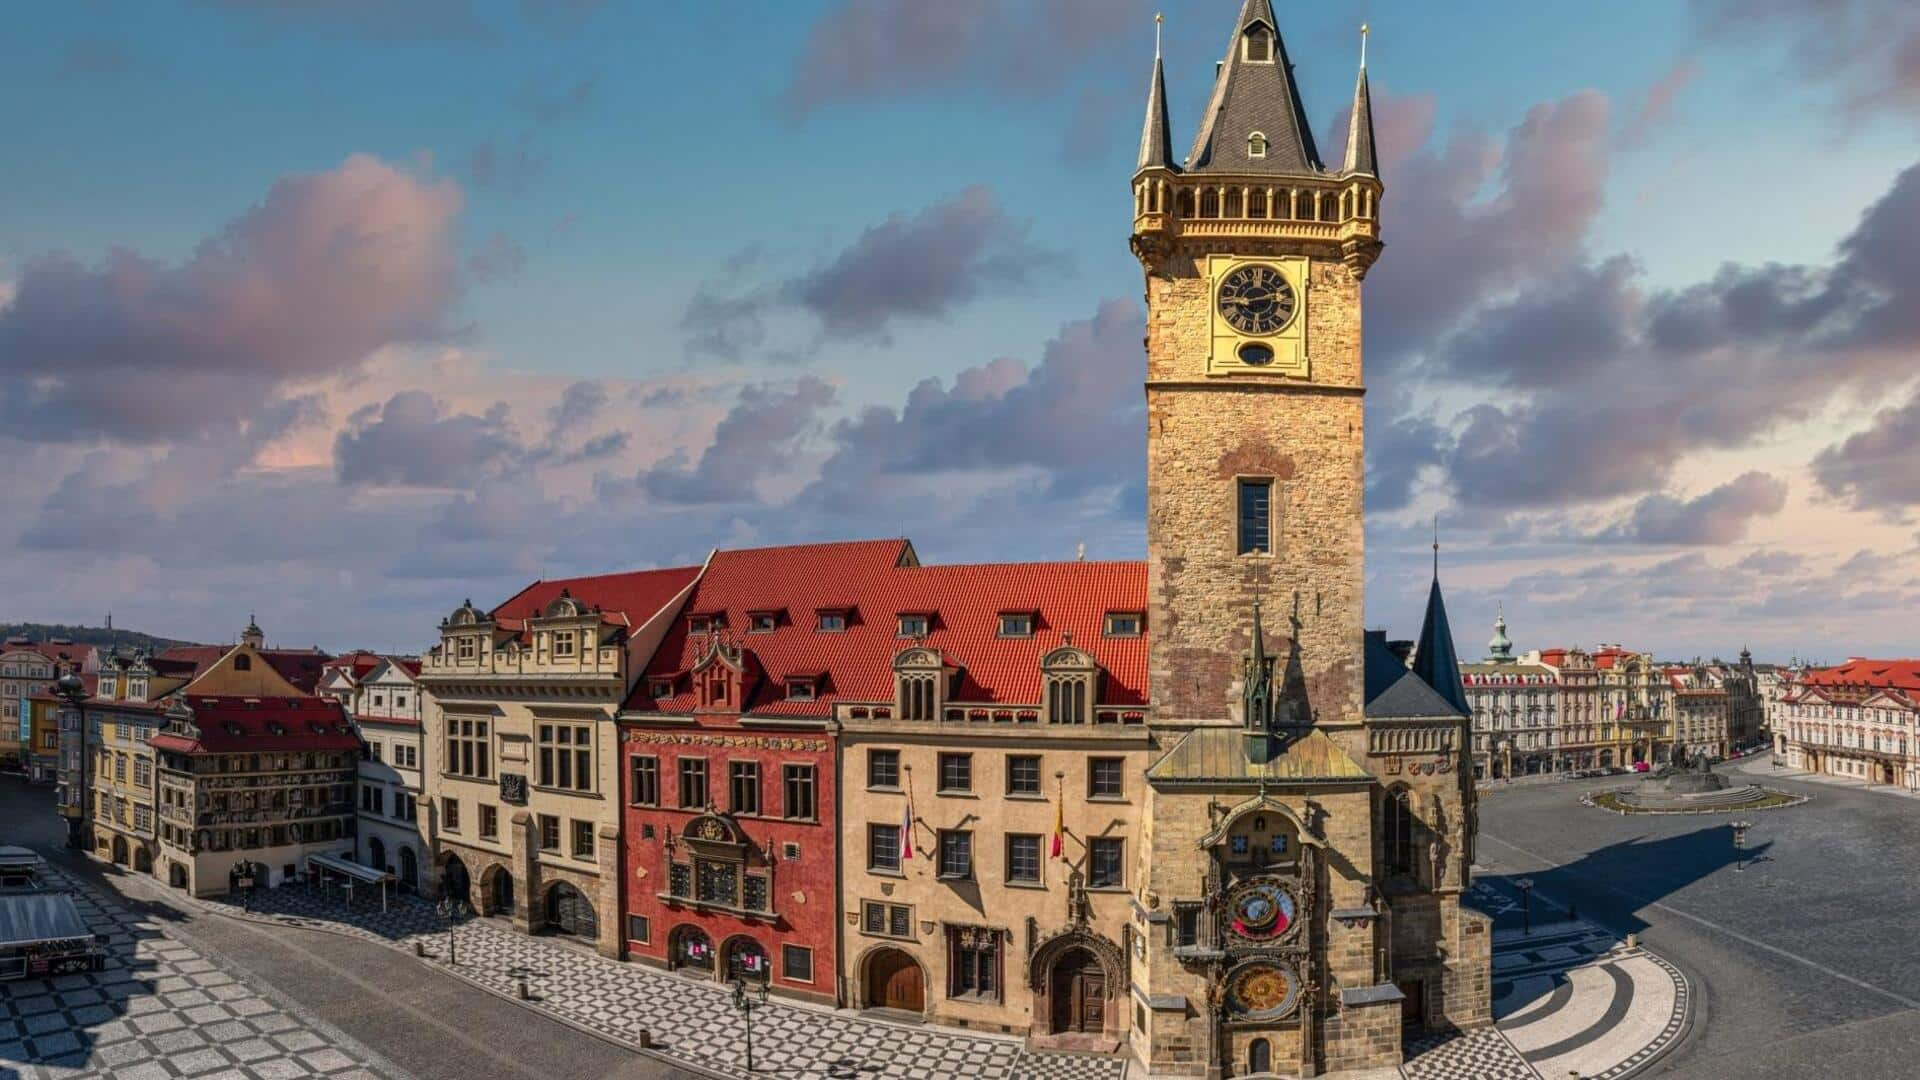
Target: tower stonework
[1308,828]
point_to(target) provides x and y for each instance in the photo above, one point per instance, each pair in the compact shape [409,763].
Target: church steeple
[1361,158]
[1254,124]
[1156,135]
[1433,658]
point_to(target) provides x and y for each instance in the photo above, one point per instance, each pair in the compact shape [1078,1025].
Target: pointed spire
[1434,659]
[1255,93]
[1361,157]
[1156,136]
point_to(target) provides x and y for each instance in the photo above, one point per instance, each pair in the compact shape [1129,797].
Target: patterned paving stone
[692,1021]
[160,1011]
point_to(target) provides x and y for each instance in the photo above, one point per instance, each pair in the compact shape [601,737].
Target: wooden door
[1079,994]
[894,981]
[1413,1003]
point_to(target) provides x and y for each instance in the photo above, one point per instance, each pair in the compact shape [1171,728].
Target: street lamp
[452,910]
[747,998]
[1525,885]
[71,690]
[1740,844]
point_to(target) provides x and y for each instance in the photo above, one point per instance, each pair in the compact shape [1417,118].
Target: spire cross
[1158,20]
[1436,546]
[1363,44]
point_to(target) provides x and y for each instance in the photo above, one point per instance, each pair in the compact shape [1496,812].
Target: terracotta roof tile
[262,725]
[880,580]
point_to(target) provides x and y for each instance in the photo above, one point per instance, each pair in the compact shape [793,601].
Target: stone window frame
[1241,483]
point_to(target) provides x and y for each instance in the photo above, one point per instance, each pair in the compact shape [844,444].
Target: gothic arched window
[1256,145]
[1397,828]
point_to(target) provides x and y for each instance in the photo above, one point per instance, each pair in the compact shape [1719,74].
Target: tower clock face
[1256,299]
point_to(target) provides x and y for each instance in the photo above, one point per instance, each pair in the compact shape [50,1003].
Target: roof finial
[1158,19]
[1363,45]
[1080,552]
[1436,547]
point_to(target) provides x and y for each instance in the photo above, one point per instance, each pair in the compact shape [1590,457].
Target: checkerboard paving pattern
[158,1011]
[691,1021]
[1481,1054]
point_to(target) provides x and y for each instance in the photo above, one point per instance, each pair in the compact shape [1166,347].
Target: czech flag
[906,830]
[1059,830]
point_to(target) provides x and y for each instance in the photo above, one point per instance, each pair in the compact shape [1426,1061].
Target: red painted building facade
[730,838]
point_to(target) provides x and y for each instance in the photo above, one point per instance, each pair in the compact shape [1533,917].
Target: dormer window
[1258,46]
[1016,624]
[1257,145]
[913,626]
[800,689]
[832,622]
[700,624]
[763,622]
[660,688]
[1123,624]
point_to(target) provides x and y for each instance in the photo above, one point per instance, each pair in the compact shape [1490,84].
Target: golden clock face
[1257,299]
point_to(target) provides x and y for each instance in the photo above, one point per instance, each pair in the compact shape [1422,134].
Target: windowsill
[975,998]
[1036,886]
[1027,796]
[886,789]
[956,794]
[958,879]
[575,792]
[1108,798]
[881,872]
[1107,888]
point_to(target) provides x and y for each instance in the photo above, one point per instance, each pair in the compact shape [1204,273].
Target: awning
[40,917]
[350,868]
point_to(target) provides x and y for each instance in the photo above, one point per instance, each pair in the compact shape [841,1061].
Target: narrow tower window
[1256,517]
[1256,145]
[1259,47]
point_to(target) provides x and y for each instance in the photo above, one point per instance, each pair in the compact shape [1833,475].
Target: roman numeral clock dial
[1256,300]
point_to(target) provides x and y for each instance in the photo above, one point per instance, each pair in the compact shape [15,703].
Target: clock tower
[1308,829]
[1254,252]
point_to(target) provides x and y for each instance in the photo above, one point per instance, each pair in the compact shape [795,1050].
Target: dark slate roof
[1361,157]
[1251,97]
[1433,658]
[1394,692]
[1156,135]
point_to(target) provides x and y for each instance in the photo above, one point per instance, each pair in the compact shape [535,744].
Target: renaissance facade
[1187,809]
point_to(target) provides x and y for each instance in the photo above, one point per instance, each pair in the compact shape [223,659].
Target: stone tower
[1308,827]
[1254,253]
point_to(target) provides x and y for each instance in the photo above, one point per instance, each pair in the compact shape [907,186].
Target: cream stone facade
[519,755]
[1054,941]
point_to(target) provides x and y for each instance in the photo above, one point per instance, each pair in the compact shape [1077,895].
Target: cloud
[410,440]
[328,268]
[509,167]
[1878,468]
[1721,516]
[767,422]
[879,50]
[500,259]
[417,21]
[918,267]
[1657,108]
[95,57]
[914,267]
[1868,50]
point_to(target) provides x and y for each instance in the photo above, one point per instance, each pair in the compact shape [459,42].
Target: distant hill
[89,635]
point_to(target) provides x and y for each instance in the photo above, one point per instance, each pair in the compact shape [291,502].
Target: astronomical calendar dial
[1262,910]
[1256,299]
[1263,991]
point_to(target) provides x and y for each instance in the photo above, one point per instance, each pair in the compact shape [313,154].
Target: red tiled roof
[629,598]
[356,663]
[45,692]
[68,653]
[201,657]
[260,725]
[880,580]
[1901,674]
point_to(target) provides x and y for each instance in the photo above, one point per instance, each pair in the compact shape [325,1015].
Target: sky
[343,311]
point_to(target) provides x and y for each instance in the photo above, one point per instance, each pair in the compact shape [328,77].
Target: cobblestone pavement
[1568,999]
[159,1010]
[691,1022]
